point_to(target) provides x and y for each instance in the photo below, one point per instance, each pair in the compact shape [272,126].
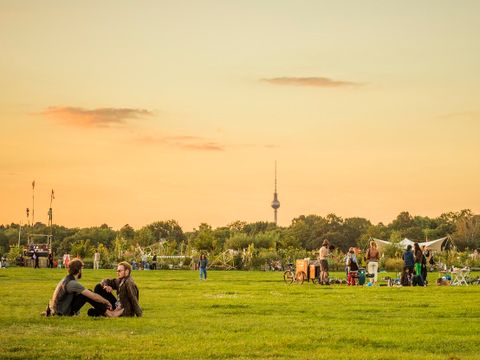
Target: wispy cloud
[464,115]
[184,142]
[88,118]
[309,81]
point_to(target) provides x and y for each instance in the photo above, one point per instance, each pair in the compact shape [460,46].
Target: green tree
[145,236]
[203,239]
[82,248]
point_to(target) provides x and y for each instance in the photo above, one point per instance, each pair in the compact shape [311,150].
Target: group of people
[415,265]
[70,295]
[353,261]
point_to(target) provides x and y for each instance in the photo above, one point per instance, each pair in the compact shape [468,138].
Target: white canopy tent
[434,245]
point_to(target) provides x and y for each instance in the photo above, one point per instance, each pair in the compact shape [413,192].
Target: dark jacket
[408,259]
[128,294]
[202,263]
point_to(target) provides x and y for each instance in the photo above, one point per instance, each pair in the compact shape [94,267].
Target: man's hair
[75,266]
[126,266]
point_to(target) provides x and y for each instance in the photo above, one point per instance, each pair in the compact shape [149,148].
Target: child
[352,266]
[406,279]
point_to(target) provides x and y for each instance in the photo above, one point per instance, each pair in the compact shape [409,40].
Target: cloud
[102,117]
[309,81]
[184,142]
[458,116]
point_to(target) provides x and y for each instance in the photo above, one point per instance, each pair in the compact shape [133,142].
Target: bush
[393,264]
[264,257]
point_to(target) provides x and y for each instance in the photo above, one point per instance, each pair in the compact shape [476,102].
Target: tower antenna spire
[275,202]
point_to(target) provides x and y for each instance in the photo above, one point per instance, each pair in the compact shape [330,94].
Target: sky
[140,111]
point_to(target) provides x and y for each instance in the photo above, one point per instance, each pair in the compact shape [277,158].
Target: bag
[353,265]
[418,281]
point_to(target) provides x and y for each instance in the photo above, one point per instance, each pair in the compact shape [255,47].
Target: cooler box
[361,276]
[314,271]
[301,265]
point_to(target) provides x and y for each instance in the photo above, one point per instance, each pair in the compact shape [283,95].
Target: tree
[127,233]
[203,239]
[82,248]
[145,236]
[467,234]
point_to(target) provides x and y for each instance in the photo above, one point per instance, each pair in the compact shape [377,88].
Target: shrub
[394,264]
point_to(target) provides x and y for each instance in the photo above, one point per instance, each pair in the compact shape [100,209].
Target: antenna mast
[275,202]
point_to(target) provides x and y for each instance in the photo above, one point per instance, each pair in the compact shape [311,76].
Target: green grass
[242,315]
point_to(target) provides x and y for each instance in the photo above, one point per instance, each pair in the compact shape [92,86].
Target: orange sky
[137,111]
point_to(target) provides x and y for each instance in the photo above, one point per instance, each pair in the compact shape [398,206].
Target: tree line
[305,232]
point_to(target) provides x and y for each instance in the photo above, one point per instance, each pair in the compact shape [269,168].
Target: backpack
[418,281]
[352,265]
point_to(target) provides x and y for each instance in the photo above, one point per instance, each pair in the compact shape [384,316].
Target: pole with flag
[50,212]
[33,201]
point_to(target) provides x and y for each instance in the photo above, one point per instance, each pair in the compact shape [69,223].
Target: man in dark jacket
[408,259]
[127,291]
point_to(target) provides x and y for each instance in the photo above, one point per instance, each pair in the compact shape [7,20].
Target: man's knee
[99,289]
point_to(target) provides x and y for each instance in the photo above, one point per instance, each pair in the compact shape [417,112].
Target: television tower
[275,202]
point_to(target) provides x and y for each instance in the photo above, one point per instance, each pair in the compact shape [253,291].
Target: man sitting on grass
[127,292]
[69,295]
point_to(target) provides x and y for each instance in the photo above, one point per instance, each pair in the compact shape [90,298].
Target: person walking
[373,256]
[202,265]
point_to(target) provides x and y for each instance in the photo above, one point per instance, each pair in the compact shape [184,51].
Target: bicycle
[289,276]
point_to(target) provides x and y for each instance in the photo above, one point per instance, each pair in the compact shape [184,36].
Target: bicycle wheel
[301,276]
[288,277]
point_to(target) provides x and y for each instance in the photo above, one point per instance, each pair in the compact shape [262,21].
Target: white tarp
[434,245]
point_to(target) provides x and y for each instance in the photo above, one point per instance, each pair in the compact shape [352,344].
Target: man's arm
[97,298]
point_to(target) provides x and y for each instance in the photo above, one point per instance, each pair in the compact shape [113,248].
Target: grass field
[242,315]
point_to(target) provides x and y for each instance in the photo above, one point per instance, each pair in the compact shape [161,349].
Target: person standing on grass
[418,255]
[66,260]
[409,259]
[96,260]
[127,292]
[323,259]
[202,265]
[425,255]
[69,295]
[50,259]
[372,258]
[144,261]
[35,258]
[154,262]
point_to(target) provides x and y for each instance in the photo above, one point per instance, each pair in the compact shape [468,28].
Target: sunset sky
[138,111]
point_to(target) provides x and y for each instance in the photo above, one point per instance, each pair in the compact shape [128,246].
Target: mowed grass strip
[242,315]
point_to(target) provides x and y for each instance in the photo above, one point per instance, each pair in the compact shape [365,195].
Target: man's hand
[107,288]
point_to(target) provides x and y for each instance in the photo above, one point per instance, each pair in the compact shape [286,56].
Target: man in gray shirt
[69,295]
